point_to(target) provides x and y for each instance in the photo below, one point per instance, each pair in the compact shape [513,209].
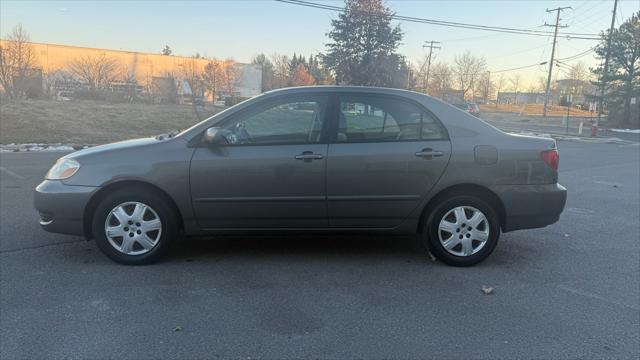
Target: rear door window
[378,119]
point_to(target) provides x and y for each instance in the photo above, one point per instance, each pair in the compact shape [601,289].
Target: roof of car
[340,88]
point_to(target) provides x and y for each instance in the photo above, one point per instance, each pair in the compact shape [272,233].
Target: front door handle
[308,156]
[428,153]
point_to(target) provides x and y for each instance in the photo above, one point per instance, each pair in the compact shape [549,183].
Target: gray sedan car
[323,159]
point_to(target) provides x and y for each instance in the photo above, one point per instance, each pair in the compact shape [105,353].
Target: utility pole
[553,52]
[431,47]
[606,64]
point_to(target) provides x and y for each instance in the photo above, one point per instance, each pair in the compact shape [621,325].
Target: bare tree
[440,79]
[421,75]
[212,78]
[579,71]
[515,85]
[577,77]
[542,84]
[467,68]
[280,71]
[17,59]
[230,76]
[192,72]
[499,86]
[485,86]
[96,71]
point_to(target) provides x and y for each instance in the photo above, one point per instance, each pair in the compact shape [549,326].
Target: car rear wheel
[134,226]
[462,230]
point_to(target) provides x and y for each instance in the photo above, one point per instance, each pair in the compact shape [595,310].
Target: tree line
[100,72]
[362,49]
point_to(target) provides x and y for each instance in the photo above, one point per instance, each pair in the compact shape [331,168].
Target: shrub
[232,100]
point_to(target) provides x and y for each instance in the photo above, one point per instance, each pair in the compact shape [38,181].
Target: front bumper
[531,206]
[61,207]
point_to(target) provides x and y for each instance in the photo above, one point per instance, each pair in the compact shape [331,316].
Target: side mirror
[214,136]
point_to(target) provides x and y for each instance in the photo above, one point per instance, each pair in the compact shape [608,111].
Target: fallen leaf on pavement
[487,290]
[433,258]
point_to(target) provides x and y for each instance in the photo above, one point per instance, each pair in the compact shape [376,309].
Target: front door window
[284,123]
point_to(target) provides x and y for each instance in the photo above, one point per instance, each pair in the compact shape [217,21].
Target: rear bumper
[531,206]
[61,207]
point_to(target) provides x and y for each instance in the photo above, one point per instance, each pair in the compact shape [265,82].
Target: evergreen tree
[267,71]
[364,45]
[623,78]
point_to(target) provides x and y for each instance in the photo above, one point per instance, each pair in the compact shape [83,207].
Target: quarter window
[290,122]
[374,119]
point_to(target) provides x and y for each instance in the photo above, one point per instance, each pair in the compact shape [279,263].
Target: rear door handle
[308,156]
[428,153]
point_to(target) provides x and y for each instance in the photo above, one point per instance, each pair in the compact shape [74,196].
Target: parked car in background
[474,109]
[64,95]
[470,107]
[321,159]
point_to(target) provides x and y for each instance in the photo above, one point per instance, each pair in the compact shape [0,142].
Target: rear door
[386,154]
[271,174]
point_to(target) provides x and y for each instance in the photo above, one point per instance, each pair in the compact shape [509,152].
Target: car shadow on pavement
[302,246]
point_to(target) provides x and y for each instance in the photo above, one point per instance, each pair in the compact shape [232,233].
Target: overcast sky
[242,29]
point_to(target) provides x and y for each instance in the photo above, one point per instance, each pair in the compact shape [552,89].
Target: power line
[578,36]
[519,68]
[577,56]
[516,52]
[501,70]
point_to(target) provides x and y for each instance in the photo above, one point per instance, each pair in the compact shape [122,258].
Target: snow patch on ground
[559,137]
[40,147]
[629,131]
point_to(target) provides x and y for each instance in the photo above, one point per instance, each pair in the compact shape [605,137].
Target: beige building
[142,67]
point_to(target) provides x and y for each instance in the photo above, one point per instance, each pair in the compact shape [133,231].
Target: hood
[116,146]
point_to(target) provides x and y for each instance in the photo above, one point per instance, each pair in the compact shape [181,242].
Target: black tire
[168,218]
[430,232]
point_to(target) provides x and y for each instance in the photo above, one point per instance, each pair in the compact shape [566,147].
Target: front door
[386,155]
[271,174]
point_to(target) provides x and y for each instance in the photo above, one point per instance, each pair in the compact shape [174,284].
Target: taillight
[551,158]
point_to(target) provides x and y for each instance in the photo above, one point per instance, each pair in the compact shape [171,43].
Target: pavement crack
[11,173]
[40,246]
[595,297]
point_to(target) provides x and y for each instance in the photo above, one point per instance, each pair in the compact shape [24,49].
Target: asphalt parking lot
[571,290]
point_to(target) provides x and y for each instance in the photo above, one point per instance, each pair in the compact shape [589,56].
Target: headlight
[63,169]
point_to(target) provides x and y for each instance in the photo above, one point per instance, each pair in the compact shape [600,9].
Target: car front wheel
[134,226]
[462,231]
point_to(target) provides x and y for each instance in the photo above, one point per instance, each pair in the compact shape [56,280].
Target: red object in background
[551,158]
[594,130]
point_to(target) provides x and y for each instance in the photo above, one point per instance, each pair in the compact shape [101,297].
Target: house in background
[576,92]
[505,97]
[164,90]
[249,80]
[453,96]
